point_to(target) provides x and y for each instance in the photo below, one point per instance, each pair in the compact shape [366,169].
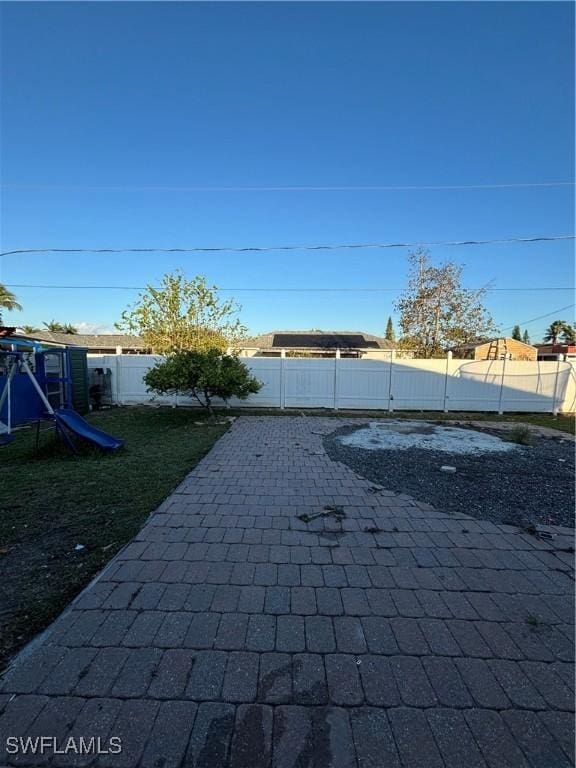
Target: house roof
[89,340]
[316,339]
[497,339]
[559,347]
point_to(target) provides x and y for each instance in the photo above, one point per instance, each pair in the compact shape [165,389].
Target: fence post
[554,399]
[336,363]
[500,411]
[390,397]
[448,359]
[282,384]
[118,367]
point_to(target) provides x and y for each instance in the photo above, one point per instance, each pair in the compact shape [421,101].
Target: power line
[265,249]
[541,317]
[274,289]
[296,188]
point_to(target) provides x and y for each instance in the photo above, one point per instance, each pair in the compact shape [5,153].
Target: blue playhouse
[39,382]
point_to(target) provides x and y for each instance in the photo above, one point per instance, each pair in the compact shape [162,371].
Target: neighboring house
[556,351]
[355,344]
[96,344]
[504,348]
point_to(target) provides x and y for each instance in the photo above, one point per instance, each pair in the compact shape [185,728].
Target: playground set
[41,383]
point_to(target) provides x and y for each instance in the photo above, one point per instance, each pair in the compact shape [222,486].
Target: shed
[502,348]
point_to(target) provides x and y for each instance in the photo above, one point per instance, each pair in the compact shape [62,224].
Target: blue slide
[72,421]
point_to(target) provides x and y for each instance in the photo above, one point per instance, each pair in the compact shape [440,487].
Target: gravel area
[527,486]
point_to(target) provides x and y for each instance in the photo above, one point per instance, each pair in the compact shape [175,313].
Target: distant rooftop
[89,340]
[496,339]
[316,339]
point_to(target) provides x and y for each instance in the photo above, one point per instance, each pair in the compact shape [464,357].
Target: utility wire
[541,317]
[265,249]
[272,289]
[296,188]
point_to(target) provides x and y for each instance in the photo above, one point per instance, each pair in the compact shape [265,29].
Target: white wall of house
[392,384]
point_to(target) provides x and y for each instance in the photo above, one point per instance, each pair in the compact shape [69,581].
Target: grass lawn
[52,501]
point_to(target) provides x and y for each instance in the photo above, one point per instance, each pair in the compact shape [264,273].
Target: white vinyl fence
[392,385]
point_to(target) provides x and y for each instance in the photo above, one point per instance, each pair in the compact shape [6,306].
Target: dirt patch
[526,485]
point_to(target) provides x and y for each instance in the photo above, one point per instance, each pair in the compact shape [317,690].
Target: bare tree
[436,312]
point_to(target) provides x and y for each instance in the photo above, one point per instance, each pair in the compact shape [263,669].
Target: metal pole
[37,387]
[9,406]
[336,359]
[448,359]
[554,405]
[6,391]
[390,397]
[500,411]
[282,383]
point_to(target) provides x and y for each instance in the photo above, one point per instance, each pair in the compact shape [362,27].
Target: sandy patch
[402,434]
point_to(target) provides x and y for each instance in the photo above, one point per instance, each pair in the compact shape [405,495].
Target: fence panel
[508,385]
[418,385]
[363,384]
[397,384]
[309,383]
[268,370]
[474,385]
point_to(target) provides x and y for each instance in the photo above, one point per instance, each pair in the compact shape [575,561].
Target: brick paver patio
[234,632]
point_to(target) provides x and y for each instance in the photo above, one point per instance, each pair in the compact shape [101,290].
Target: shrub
[203,376]
[521,434]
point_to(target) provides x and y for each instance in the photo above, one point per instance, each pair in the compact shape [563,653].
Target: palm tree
[569,334]
[55,327]
[555,330]
[8,301]
[28,329]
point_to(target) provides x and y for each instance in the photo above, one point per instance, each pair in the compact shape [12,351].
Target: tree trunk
[209,406]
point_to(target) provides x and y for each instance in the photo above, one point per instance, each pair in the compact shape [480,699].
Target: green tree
[557,330]
[526,337]
[436,312]
[55,327]
[183,315]
[569,334]
[29,329]
[203,376]
[390,334]
[8,301]
[517,333]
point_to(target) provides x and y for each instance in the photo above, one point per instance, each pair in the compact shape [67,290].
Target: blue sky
[168,95]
